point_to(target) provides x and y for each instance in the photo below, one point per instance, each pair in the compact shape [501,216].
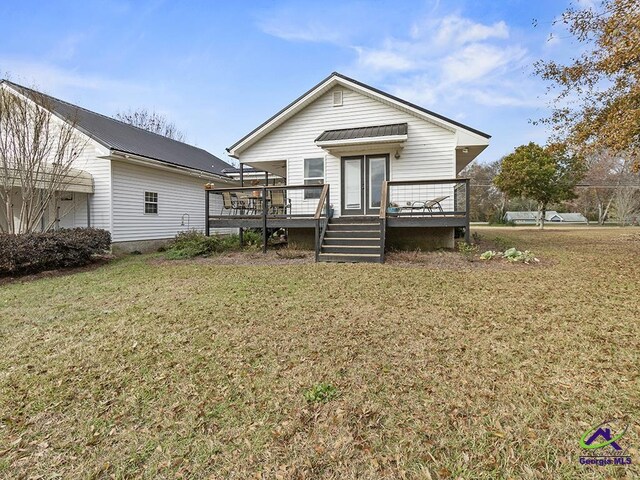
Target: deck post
[241,230]
[467,205]
[264,220]
[88,211]
[384,201]
[206,211]
[317,245]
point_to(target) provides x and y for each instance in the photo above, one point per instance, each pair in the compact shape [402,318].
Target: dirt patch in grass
[97,263]
[146,368]
[247,257]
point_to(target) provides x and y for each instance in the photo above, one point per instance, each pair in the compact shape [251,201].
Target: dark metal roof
[126,138]
[363,132]
[364,85]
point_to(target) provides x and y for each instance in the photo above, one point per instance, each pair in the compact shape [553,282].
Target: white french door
[362,178]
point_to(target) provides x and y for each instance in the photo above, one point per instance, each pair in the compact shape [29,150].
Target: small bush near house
[37,252]
[511,254]
[468,250]
[196,244]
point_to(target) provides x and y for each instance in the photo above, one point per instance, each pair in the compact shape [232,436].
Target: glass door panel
[352,186]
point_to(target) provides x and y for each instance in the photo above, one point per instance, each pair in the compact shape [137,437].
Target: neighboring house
[371,149]
[531,218]
[140,186]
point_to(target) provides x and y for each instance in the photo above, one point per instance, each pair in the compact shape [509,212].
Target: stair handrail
[323,204]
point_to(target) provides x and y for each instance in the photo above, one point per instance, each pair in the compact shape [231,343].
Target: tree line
[592,159]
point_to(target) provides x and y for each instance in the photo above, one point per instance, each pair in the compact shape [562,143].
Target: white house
[372,149]
[140,186]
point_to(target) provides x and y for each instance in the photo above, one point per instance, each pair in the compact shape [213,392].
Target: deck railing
[259,206]
[427,199]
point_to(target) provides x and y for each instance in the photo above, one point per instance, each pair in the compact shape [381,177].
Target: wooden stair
[352,240]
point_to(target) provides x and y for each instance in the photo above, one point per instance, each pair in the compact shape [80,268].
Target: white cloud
[455,30]
[50,78]
[384,60]
[477,60]
[438,61]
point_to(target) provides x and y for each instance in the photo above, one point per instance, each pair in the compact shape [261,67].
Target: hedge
[37,252]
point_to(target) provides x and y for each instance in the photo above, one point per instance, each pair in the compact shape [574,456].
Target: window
[313,175]
[150,202]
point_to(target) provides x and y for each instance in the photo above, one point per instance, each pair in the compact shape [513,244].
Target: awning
[390,134]
[74,180]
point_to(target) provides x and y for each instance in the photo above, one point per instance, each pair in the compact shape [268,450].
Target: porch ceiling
[73,180]
[276,167]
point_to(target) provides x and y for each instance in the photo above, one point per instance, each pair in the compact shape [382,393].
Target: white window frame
[307,194]
[151,202]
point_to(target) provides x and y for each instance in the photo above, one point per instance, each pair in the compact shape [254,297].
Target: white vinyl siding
[180,203]
[429,152]
[100,200]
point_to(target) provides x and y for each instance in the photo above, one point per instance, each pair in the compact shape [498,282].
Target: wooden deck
[410,205]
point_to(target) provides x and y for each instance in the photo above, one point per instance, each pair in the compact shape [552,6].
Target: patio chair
[243,204]
[280,204]
[429,205]
[435,203]
[228,203]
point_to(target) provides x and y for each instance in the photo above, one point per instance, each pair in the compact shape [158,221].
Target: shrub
[514,255]
[468,250]
[196,244]
[37,252]
[488,255]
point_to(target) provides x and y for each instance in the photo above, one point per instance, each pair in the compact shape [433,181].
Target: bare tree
[487,202]
[611,186]
[37,153]
[152,122]
[626,202]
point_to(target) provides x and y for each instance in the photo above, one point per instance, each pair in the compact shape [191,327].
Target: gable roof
[125,138]
[363,132]
[334,79]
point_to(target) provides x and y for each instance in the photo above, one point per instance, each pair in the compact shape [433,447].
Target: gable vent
[337,98]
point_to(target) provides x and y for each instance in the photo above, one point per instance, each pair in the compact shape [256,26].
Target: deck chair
[227,203]
[242,203]
[430,205]
[280,204]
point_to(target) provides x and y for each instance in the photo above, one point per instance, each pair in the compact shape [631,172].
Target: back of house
[360,140]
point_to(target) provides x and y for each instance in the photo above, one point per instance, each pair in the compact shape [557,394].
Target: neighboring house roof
[549,216]
[338,79]
[363,132]
[125,138]
[573,217]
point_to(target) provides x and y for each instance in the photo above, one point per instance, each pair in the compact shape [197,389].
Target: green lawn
[157,369]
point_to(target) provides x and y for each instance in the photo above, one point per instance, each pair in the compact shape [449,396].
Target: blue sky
[217,69]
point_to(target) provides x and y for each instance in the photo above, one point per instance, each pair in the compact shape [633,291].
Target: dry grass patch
[156,369]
